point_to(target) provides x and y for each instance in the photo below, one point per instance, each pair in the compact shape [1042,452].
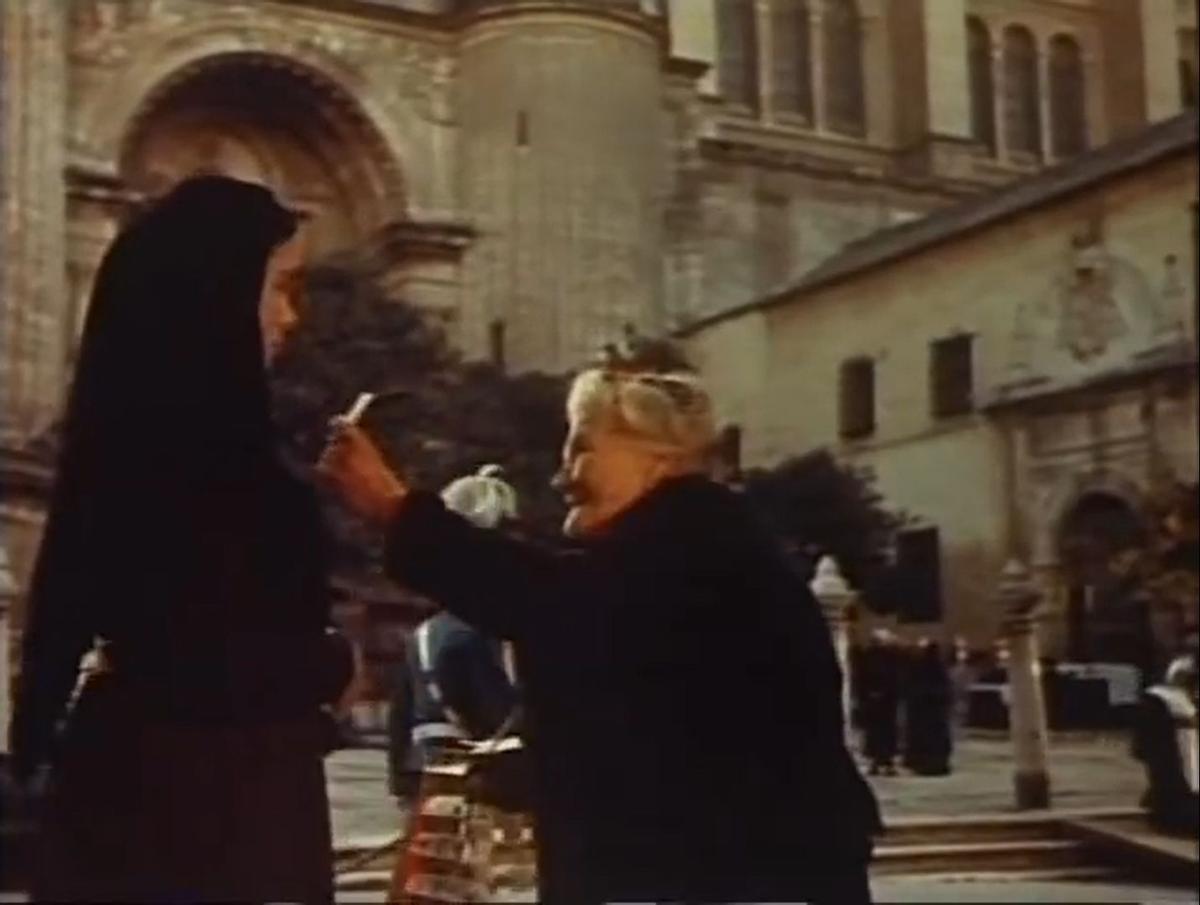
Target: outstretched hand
[355,468]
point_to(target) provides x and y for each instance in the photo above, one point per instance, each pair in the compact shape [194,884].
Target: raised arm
[492,581]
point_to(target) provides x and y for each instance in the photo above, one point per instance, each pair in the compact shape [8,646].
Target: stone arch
[1055,504]
[1106,616]
[106,123]
[264,119]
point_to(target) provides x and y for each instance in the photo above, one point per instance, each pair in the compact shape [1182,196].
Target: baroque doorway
[1107,618]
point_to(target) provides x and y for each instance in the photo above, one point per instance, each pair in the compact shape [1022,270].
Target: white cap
[483,499]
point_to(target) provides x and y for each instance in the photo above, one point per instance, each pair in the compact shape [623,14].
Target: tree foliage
[819,507]
[440,417]
[1165,566]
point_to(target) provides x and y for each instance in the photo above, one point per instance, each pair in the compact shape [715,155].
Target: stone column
[836,597]
[1045,108]
[816,29]
[1021,601]
[8,596]
[33,282]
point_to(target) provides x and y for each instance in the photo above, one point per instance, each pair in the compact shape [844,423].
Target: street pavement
[1016,888]
[1092,770]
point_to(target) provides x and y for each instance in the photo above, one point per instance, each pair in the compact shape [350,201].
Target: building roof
[1162,140]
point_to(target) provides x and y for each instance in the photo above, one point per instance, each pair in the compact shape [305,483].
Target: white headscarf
[483,499]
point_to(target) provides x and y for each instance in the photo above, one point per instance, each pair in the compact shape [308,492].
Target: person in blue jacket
[453,685]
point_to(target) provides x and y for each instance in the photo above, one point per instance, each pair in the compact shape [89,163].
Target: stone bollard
[836,598]
[1020,599]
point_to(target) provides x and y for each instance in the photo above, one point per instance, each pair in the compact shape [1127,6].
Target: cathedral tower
[561,169]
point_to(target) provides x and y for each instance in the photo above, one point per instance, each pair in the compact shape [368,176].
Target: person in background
[881,702]
[962,677]
[1165,741]
[927,711]
[644,790]
[454,685]
[180,542]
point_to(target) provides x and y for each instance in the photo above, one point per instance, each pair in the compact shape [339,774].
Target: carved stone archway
[272,120]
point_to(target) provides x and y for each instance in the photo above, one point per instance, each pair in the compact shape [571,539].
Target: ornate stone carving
[1089,319]
[1098,312]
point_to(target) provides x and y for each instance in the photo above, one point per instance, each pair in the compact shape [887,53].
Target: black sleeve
[69,575]
[475,685]
[493,582]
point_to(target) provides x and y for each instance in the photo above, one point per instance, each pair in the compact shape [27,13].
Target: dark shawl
[174,531]
[682,700]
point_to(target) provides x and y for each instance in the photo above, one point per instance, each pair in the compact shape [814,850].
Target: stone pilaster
[33,291]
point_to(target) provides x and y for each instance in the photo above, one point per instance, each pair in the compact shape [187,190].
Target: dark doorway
[1107,618]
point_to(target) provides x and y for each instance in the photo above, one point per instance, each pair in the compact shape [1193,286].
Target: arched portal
[1107,618]
[272,120]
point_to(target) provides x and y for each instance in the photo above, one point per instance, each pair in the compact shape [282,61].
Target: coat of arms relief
[1100,312]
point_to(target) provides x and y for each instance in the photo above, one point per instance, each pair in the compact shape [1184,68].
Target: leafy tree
[1165,566]
[819,507]
[438,418]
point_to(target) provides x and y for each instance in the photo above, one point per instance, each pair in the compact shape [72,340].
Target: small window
[858,398]
[496,337]
[951,376]
[918,576]
[522,129]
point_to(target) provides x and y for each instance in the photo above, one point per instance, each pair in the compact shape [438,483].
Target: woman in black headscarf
[190,766]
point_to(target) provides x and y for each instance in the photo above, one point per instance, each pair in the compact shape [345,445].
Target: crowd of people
[906,700]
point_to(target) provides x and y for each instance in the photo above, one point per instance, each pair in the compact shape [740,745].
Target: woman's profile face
[603,473]
[277,312]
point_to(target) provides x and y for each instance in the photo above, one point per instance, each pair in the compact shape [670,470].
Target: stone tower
[561,170]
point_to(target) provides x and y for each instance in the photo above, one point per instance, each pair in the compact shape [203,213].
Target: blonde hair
[672,412]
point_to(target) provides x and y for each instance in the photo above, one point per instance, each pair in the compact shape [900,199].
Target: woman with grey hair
[682,696]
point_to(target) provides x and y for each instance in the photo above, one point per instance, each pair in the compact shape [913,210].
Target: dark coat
[682,700]
[191,768]
[879,693]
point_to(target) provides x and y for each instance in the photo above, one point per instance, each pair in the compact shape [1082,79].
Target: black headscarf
[168,446]
[171,380]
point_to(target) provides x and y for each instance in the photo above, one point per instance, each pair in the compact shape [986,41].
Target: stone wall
[991,489]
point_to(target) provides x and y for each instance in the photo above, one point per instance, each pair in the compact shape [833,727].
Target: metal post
[836,598]
[1021,600]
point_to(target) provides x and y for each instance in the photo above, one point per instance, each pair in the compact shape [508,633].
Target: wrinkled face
[603,473]
[277,313]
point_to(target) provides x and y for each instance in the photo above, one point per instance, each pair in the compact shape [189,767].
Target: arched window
[982,85]
[1022,92]
[791,58]
[1068,119]
[737,39]
[842,54]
